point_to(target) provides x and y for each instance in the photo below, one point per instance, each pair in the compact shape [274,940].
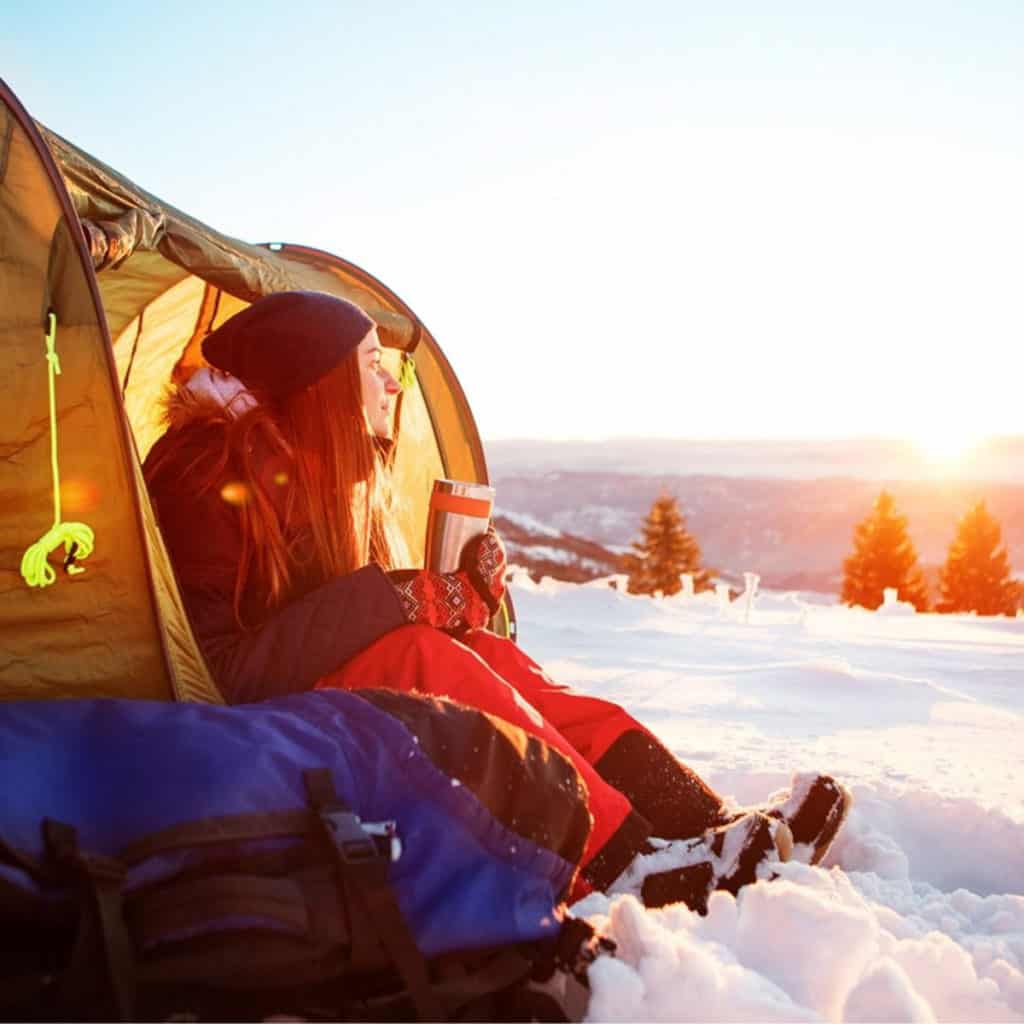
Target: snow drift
[917,914]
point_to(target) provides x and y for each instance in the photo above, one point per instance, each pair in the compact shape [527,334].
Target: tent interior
[136,285]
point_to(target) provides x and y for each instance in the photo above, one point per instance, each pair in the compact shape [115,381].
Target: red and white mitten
[484,561]
[443,600]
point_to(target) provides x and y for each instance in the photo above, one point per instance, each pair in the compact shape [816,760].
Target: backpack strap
[496,974]
[190,905]
[230,828]
[363,870]
[101,919]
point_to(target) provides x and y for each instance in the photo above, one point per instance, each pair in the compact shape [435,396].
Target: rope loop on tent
[77,538]
[407,374]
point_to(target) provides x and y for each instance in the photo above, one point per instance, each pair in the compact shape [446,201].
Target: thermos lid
[462,497]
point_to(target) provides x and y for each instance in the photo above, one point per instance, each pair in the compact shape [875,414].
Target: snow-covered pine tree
[664,552]
[883,556]
[976,576]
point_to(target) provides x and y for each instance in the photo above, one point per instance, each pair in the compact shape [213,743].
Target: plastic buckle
[385,835]
[353,844]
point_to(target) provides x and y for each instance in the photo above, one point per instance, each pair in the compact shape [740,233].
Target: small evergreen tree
[664,552]
[883,556]
[976,576]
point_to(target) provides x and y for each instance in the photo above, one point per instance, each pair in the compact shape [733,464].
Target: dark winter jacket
[315,630]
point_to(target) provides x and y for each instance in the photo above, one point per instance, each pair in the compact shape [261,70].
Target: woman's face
[379,387]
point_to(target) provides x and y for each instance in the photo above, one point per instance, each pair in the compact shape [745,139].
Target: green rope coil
[77,538]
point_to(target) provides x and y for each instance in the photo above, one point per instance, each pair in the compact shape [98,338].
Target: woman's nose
[391,386]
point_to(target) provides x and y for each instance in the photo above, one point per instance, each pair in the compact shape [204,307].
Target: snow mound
[812,945]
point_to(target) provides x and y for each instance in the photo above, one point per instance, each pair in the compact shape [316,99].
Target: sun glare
[947,445]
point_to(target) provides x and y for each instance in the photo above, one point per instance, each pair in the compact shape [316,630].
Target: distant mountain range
[543,551]
[995,460]
[794,532]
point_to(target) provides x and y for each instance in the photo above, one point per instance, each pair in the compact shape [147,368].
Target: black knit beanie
[284,342]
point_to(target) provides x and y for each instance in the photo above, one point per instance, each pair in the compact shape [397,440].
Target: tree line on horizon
[976,576]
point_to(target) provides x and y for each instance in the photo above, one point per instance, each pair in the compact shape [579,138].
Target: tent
[134,286]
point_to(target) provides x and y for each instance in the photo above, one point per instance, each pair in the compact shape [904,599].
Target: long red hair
[337,510]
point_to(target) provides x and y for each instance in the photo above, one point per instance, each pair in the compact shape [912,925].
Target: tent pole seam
[131,358]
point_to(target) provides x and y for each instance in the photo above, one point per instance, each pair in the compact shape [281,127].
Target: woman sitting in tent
[272,490]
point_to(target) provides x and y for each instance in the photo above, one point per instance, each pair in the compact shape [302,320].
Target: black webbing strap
[101,926]
[499,972]
[363,870]
[192,905]
[30,865]
[230,828]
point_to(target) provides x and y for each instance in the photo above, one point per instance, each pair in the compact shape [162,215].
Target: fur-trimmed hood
[209,396]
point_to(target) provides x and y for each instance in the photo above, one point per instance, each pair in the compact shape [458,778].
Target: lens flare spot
[78,495]
[281,478]
[234,492]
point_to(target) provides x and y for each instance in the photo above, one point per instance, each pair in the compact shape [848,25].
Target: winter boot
[688,870]
[815,807]
[559,988]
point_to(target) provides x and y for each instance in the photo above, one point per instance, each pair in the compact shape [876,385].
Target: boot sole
[783,841]
[833,823]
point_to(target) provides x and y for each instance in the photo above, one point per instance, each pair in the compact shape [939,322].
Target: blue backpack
[328,854]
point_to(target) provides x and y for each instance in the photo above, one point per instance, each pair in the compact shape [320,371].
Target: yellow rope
[77,538]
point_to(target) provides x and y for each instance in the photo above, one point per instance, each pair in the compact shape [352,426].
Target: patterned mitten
[484,561]
[444,600]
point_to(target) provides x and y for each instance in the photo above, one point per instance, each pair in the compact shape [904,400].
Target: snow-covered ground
[918,911]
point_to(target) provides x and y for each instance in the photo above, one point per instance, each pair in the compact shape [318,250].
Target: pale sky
[644,219]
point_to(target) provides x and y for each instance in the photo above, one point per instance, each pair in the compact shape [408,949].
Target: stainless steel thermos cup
[458,512]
